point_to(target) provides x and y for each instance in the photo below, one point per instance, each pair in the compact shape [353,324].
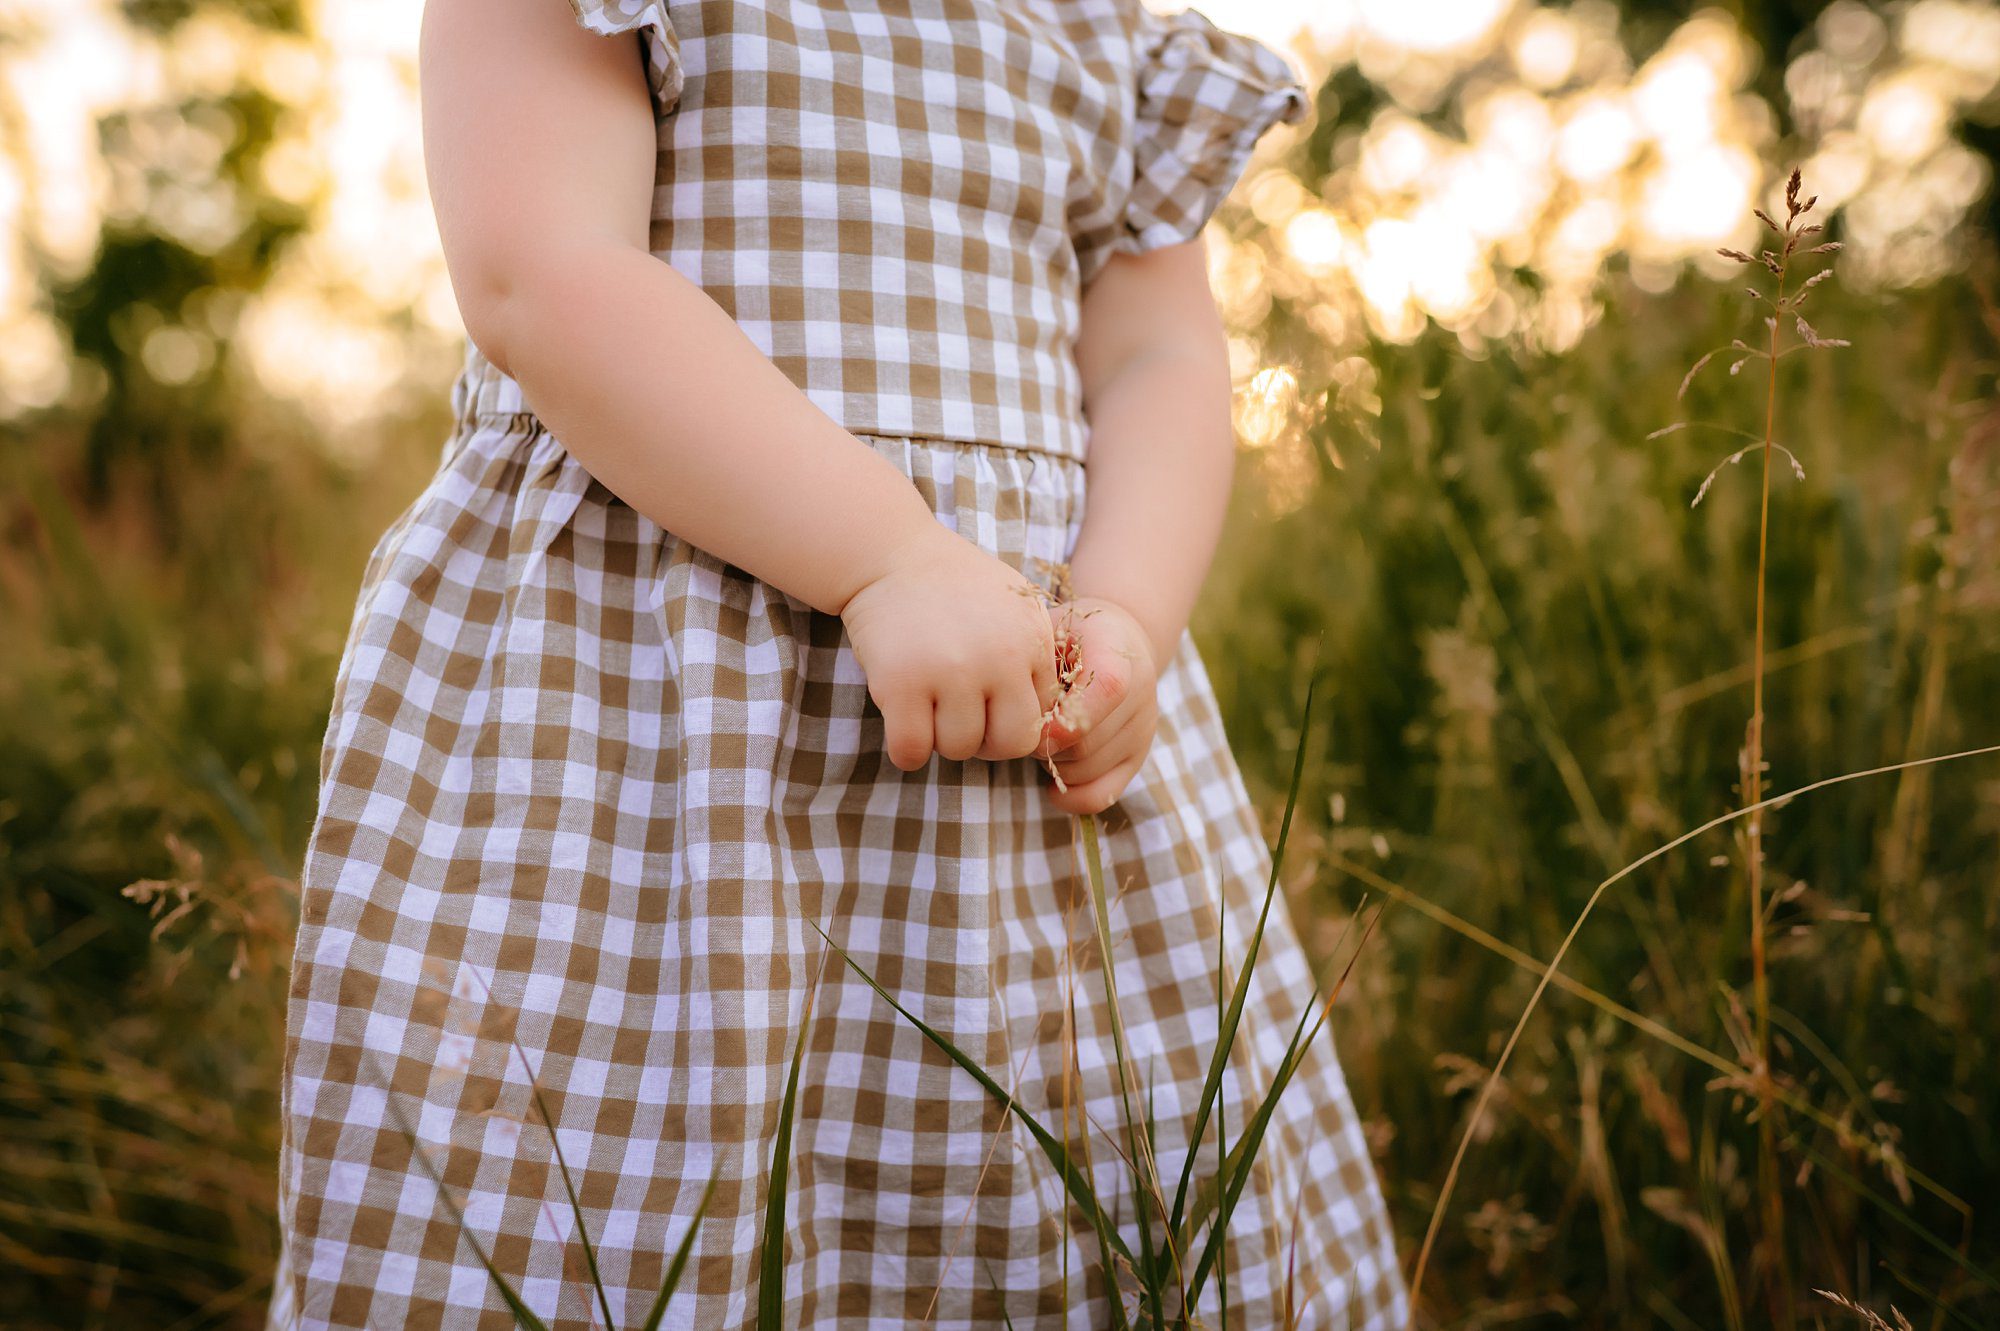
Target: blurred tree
[189,233]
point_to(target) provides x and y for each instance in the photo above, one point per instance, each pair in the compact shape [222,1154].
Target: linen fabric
[901,203]
[588,795]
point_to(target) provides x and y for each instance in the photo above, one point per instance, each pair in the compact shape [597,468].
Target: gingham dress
[587,790]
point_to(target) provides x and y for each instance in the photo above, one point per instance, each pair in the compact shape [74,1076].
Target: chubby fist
[959,654]
[1102,726]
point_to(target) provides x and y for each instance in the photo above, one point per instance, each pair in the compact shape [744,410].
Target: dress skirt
[587,790]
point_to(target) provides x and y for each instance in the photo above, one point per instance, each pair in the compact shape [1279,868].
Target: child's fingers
[1106,681]
[906,722]
[1105,734]
[1099,793]
[1109,751]
[1013,723]
[960,723]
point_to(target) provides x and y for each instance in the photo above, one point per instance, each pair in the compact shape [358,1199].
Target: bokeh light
[1513,152]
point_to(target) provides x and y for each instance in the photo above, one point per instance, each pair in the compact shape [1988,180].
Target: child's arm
[540,142]
[1155,366]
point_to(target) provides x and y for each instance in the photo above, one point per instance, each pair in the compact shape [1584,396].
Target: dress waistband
[475,418]
[483,395]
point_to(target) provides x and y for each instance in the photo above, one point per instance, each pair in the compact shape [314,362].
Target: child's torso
[898,202]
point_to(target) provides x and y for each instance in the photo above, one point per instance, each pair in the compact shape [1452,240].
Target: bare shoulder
[538,133]
[539,41]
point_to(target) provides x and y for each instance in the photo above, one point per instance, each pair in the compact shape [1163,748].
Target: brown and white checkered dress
[586,789]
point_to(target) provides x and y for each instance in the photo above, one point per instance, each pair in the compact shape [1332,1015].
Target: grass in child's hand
[1071,679]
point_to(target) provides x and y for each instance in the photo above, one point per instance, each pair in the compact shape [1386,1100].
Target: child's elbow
[507,299]
[489,296]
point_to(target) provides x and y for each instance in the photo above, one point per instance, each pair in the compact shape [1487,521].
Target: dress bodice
[901,201]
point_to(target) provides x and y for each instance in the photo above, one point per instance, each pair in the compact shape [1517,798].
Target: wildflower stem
[1774,1209]
[1476,1116]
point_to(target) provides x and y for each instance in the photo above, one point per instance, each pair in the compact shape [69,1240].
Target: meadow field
[1763,1087]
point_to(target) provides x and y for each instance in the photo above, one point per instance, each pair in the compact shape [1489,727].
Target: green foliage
[1537,670]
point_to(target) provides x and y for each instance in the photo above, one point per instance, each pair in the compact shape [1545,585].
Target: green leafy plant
[1752,1072]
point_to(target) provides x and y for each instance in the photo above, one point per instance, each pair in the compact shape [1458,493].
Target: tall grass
[1782,303]
[163,688]
[593,1279]
[1539,668]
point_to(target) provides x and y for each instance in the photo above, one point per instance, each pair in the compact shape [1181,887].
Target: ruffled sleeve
[1205,97]
[609,18]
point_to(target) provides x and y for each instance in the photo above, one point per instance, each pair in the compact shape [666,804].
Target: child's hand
[1104,724]
[959,653]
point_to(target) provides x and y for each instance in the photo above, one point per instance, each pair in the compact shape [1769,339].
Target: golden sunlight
[1512,137]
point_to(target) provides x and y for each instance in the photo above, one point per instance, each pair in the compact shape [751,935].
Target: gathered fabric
[901,204]
[587,793]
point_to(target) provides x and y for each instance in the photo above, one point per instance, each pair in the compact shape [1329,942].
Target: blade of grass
[1548,973]
[1225,1036]
[1972,1269]
[1637,1021]
[522,1313]
[1069,1066]
[1149,1275]
[1939,1305]
[1083,1122]
[1245,1155]
[771,1263]
[1075,1182]
[562,1163]
[679,1263]
[1221,1108]
[998,1293]
[1153,1181]
[1236,1168]
[972,1204]
[1292,1250]
[575,1206]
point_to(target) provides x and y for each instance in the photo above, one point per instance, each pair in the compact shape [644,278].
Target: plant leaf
[1253,1137]
[562,1163]
[771,1263]
[1228,1190]
[569,1186]
[1225,1036]
[1142,1187]
[1075,1182]
[679,1263]
[522,1312]
[1001,1294]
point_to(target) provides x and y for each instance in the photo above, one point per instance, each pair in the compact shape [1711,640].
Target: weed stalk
[1790,235]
